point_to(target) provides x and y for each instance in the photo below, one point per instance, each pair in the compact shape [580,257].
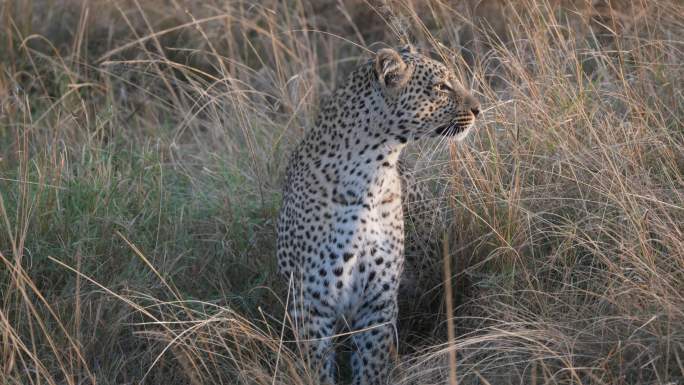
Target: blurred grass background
[143,143]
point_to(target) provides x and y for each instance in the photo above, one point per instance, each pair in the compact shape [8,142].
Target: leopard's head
[422,95]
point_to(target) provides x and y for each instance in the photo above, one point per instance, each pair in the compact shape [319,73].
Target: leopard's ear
[391,69]
[408,48]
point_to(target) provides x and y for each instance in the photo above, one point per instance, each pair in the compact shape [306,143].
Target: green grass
[142,149]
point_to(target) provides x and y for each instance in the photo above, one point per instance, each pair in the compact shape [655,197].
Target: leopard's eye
[442,87]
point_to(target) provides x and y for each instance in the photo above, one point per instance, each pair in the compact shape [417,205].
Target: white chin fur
[461,135]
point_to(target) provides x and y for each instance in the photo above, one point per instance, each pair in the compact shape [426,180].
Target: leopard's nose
[474,105]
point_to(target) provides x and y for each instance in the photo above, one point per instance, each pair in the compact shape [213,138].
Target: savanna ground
[142,148]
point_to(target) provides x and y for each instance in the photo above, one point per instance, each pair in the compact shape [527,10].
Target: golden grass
[142,145]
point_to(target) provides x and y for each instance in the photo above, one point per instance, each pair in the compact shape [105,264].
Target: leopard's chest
[364,244]
[368,209]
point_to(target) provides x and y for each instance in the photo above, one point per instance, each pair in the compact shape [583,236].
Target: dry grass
[142,145]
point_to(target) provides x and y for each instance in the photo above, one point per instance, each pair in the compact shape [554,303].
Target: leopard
[340,229]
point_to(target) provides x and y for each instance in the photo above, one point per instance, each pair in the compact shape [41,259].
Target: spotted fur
[341,226]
